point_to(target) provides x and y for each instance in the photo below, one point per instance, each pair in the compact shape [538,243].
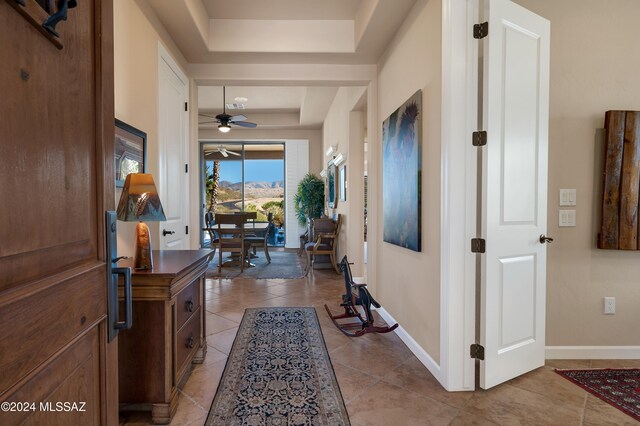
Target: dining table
[233,258]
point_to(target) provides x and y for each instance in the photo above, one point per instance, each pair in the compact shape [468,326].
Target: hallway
[381,381]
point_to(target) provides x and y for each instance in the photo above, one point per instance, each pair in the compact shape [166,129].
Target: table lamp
[140,202]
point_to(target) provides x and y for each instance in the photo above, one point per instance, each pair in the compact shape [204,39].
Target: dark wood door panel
[70,378]
[56,181]
[48,320]
[48,150]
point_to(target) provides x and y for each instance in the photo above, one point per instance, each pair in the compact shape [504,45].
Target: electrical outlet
[609,305]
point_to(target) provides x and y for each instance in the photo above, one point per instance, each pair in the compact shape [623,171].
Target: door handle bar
[126,324]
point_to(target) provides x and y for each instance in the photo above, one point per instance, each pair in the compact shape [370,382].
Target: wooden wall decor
[619,228]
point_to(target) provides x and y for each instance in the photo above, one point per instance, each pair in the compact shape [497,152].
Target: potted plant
[309,200]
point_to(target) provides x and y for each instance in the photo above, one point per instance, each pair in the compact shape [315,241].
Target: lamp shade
[139,200]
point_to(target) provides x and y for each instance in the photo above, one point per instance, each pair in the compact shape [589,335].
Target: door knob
[544,239]
[165,232]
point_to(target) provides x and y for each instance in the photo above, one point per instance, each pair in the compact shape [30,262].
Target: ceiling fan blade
[238,117]
[245,124]
[234,153]
[208,122]
[224,153]
[206,115]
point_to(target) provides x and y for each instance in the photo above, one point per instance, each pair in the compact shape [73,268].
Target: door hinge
[186,168]
[477,351]
[478,245]
[186,106]
[481,30]
[479,138]
[186,230]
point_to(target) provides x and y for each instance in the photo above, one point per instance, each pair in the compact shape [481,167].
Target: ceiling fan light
[224,127]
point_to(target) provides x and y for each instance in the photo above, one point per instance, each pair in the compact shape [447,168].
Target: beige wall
[136,36]
[408,283]
[595,58]
[344,128]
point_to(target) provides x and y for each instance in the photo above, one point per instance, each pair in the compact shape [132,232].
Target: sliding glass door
[245,177]
[223,164]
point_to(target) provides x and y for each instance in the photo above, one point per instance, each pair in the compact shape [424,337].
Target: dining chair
[261,241]
[250,218]
[230,237]
[210,228]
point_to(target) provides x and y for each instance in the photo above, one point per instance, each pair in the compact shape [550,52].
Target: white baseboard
[592,352]
[413,346]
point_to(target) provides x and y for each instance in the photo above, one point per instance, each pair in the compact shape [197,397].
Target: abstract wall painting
[402,175]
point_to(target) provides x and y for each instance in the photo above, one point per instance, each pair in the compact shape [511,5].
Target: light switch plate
[567,218]
[567,197]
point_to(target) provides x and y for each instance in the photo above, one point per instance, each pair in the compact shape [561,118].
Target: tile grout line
[347,402]
[186,395]
[584,408]
[460,409]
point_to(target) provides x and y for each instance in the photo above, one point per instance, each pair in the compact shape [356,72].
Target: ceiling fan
[225,120]
[224,151]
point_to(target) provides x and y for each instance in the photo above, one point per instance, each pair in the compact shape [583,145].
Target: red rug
[618,387]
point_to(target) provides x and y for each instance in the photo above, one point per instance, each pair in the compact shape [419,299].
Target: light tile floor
[381,381]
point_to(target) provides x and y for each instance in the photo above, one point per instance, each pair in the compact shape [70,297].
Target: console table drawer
[187,303]
[187,341]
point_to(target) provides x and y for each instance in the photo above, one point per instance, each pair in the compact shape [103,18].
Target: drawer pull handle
[190,341]
[188,305]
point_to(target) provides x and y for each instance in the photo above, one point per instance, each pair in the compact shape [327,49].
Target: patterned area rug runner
[618,387]
[278,373]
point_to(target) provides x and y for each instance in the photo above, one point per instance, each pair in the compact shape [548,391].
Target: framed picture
[402,175]
[342,173]
[331,185]
[130,151]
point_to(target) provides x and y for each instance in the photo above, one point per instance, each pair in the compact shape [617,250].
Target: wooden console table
[168,331]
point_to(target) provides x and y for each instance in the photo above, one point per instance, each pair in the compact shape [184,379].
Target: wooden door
[173,135]
[514,193]
[56,181]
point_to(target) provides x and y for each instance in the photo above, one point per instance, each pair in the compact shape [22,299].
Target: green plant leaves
[309,200]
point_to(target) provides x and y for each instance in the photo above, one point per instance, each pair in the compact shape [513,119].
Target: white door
[173,136]
[514,193]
